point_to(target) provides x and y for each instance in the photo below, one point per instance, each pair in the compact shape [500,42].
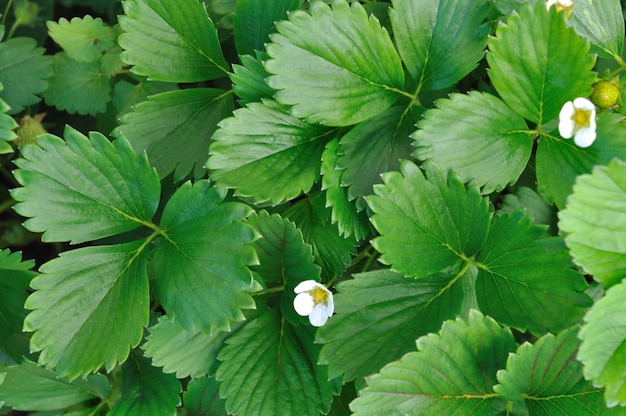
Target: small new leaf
[84,39]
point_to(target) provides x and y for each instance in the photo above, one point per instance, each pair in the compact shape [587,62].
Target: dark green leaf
[202,398]
[602,23]
[126,95]
[533,205]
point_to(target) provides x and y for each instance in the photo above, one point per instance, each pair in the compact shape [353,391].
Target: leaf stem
[269,290]
[6,12]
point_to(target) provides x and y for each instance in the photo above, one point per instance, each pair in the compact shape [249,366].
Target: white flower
[578,118]
[560,4]
[313,300]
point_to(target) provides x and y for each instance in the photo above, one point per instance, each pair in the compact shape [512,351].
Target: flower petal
[584,104]
[566,124]
[303,304]
[305,286]
[319,316]
[330,304]
[585,137]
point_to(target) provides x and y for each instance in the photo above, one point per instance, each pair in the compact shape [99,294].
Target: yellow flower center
[319,295]
[581,118]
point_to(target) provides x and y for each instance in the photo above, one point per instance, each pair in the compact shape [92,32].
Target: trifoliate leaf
[7,127]
[379,315]
[533,205]
[601,23]
[594,221]
[146,390]
[183,352]
[15,277]
[440,42]
[31,388]
[249,81]
[555,67]
[84,39]
[350,221]
[528,282]
[171,41]
[201,263]
[331,251]
[602,349]
[23,72]
[254,20]
[266,154]
[270,368]
[560,161]
[477,136]
[175,128]
[78,87]
[334,66]
[202,398]
[429,224]
[374,147]
[452,372]
[80,293]
[549,379]
[84,189]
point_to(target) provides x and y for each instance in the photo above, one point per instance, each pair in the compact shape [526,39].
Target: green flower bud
[30,128]
[605,94]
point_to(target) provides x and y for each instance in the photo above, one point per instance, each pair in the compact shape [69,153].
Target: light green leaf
[15,277]
[477,136]
[379,315]
[374,147]
[171,41]
[602,23]
[429,224]
[350,221]
[84,39]
[533,205]
[331,251]
[440,41]
[80,293]
[200,264]
[602,349]
[31,388]
[266,154]
[549,379]
[84,189]
[594,221]
[452,372]
[334,66]
[175,128]
[528,282]
[254,20]
[554,68]
[270,368]
[146,390]
[559,161]
[249,80]
[183,352]
[23,72]
[7,127]
[202,398]
[78,87]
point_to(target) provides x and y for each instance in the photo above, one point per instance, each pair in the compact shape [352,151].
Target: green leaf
[555,184]
[84,39]
[254,20]
[171,41]
[146,390]
[200,264]
[126,95]
[7,127]
[175,128]
[78,87]
[202,398]
[183,352]
[249,80]
[270,368]
[440,42]
[334,66]
[427,225]
[533,205]
[266,154]
[15,277]
[452,372]
[554,68]
[84,189]
[528,282]
[378,316]
[601,22]
[488,144]
[594,220]
[602,349]
[350,221]
[31,388]
[549,379]
[80,293]
[331,251]
[374,147]
[23,72]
